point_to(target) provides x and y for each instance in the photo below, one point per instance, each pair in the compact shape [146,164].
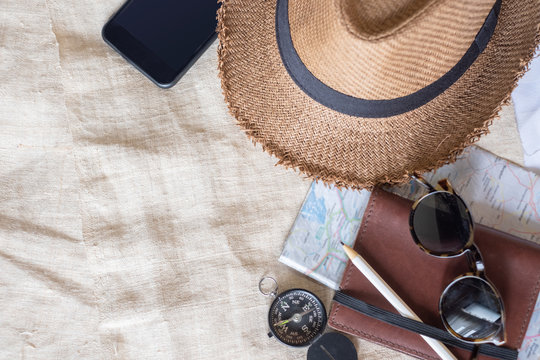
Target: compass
[297,317]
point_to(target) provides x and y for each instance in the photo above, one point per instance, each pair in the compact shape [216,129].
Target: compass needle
[281,323]
[295,317]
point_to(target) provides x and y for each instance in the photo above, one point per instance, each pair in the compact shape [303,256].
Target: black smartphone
[162,38]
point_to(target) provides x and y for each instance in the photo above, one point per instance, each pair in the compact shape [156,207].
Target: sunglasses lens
[441,223]
[471,309]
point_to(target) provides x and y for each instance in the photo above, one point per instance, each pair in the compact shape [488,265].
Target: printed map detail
[500,194]
[530,348]
[327,217]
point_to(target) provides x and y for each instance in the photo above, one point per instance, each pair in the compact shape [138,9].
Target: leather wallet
[384,240]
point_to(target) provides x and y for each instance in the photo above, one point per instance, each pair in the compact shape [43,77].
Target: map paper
[530,348]
[327,217]
[499,194]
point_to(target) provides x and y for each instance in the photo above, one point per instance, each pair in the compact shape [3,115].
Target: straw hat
[360,92]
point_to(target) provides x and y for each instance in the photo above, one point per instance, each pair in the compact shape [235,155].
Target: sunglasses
[441,225]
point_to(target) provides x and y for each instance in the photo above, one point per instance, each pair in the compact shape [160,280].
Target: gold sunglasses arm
[423,182]
[475,261]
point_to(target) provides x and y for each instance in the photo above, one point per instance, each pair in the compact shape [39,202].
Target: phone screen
[162,37]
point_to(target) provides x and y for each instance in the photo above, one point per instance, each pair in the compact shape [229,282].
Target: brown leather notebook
[384,240]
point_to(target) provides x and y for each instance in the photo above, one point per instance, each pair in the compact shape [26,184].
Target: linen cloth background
[136,222]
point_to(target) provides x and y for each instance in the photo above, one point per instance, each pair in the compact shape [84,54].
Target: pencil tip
[342,243]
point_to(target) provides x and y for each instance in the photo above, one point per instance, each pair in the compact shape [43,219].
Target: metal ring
[272,292]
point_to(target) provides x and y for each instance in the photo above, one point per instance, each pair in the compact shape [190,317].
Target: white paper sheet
[526,98]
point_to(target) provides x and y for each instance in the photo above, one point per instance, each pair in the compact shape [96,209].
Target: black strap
[421,328]
[353,106]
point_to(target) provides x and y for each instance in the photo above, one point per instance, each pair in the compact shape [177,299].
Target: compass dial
[297,317]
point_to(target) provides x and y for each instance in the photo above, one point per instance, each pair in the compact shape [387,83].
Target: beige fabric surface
[135,222]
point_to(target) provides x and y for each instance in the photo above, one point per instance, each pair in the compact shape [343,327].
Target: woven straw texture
[396,59]
[360,43]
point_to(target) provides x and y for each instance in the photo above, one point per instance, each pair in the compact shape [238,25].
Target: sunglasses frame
[474,258]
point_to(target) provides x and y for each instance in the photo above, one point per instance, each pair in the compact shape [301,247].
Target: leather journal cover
[384,240]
